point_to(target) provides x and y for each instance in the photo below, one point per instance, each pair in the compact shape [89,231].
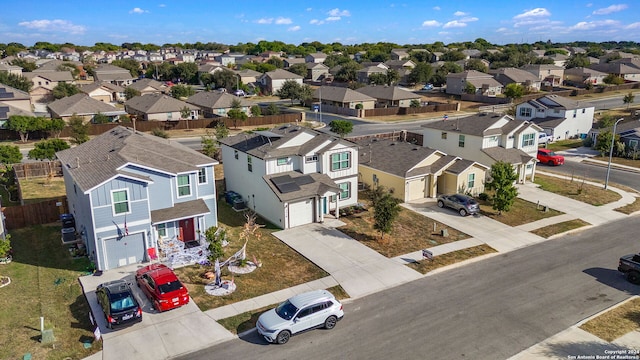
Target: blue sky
[348,22]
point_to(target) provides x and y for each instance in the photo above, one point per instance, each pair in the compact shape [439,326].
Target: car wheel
[283,337]
[463,212]
[440,204]
[550,163]
[330,323]
[633,277]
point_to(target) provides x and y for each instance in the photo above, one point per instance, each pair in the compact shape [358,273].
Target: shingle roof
[388,93]
[477,125]
[340,94]
[461,165]
[216,100]
[8,93]
[157,103]
[82,104]
[320,184]
[87,88]
[397,158]
[54,76]
[280,74]
[7,110]
[511,156]
[179,211]
[517,75]
[142,84]
[99,159]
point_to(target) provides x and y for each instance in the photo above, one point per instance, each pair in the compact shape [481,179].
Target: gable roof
[516,75]
[157,103]
[7,110]
[308,185]
[100,159]
[88,88]
[340,94]
[478,125]
[280,74]
[82,104]
[388,93]
[396,158]
[511,156]
[8,93]
[216,100]
[142,84]
[557,102]
[53,76]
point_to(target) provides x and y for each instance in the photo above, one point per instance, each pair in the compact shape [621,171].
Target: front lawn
[521,212]
[577,189]
[630,208]
[616,322]
[559,228]
[561,145]
[426,265]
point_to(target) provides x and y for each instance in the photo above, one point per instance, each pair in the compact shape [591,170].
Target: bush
[159,133]
[483,196]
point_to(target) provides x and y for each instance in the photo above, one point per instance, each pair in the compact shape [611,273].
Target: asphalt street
[491,309]
[596,172]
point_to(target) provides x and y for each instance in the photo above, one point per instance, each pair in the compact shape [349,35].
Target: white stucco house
[291,175]
[558,116]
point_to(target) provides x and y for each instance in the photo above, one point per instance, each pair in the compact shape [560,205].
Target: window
[575,113]
[202,176]
[443,136]
[184,187]
[471,181]
[169,116]
[584,110]
[345,190]
[340,161]
[249,165]
[235,154]
[282,161]
[162,229]
[311,158]
[528,140]
[460,140]
[633,144]
[120,201]
[526,112]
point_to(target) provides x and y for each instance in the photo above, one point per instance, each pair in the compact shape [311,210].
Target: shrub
[160,133]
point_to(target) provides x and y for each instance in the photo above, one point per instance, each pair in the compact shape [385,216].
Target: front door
[187,230]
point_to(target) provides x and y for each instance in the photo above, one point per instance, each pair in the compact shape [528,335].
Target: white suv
[301,312]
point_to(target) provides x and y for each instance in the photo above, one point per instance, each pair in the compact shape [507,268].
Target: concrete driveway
[357,268]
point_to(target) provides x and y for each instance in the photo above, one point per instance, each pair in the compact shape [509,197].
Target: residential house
[581,76]
[272,81]
[104,91]
[627,71]
[218,104]
[487,138]
[558,59]
[471,53]
[149,86]
[485,84]
[113,74]
[614,55]
[629,133]
[507,76]
[399,54]
[84,106]
[11,69]
[247,76]
[412,172]
[228,59]
[317,71]
[128,191]
[557,116]
[342,97]
[13,102]
[400,64]
[45,82]
[317,58]
[362,75]
[547,73]
[159,107]
[389,96]
[291,175]
[288,62]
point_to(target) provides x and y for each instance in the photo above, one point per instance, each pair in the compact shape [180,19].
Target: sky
[295,22]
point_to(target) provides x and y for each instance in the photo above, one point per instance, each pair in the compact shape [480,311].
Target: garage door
[124,251]
[301,213]
[415,189]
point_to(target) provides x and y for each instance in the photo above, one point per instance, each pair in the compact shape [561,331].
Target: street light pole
[613,138]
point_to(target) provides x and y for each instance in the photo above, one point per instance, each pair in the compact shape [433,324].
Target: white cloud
[502,29]
[338,13]
[460,13]
[430,23]
[468,19]
[589,5]
[162,5]
[309,9]
[436,8]
[454,24]
[316,22]
[635,25]
[537,12]
[333,18]
[294,28]
[137,10]
[54,25]
[610,9]
[283,21]
[265,21]
[588,25]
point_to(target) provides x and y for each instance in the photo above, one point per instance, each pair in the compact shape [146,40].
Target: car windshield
[122,301]
[286,310]
[170,286]
[551,153]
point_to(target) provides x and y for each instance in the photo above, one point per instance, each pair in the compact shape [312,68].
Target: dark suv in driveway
[463,204]
[118,303]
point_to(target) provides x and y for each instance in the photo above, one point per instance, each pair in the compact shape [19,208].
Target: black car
[119,305]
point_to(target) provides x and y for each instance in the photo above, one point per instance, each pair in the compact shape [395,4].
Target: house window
[528,140]
[471,181]
[584,110]
[340,161]
[311,158]
[235,154]
[633,144]
[575,113]
[443,136]
[249,165]
[345,190]
[282,161]
[526,112]
[162,229]
[202,176]
[120,200]
[184,186]
[169,116]
[460,140]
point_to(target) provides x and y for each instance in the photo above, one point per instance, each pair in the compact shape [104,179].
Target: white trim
[113,207]
[88,191]
[206,179]
[129,224]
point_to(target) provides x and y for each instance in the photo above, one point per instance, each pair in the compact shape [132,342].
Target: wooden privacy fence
[410,110]
[44,212]
[39,169]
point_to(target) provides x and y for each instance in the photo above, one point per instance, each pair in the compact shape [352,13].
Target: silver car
[302,312]
[463,204]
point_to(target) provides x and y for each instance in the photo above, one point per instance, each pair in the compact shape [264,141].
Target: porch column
[533,172]
[337,206]
[433,191]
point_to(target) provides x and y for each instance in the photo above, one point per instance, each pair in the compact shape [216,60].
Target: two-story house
[484,84]
[128,189]
[558,116]
[272,81]
[291,175]
[487,138]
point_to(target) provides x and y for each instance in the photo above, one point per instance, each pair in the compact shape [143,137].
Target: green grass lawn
[521,212]
[44,282]
[577,189]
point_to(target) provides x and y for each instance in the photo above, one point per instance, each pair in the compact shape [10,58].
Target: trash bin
[68,221]
[68,235]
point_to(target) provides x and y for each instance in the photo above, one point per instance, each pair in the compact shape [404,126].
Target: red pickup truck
[549,157]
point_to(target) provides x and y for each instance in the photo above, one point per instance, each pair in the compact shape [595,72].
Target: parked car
[118,304]
[240,93]
[427,87]
[549,157]
[162,287]
[463,204]
[630,266]
[302,312]
[544,138]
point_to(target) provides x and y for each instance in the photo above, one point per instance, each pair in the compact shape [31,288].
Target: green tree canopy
[46,149]
[27,66]
[236,113]
[612,79]
[186,72]
[64,89]
[341,127]
[130,64]
[15,81]
[421,73]
[514,91]
[25,125]
[300,69]
[628,99]
[55,127]
[130,93]
[503,177]
[182,91]
[79,130]
[477,65]
[386,210]
[10,154]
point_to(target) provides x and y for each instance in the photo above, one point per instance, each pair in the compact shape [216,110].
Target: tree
[272,109]
[414,103]
[214,238]
[513,91]
[392,76]
[100,118]
[290,90]
[469,88]
[577,60]
[46,150]
[612,79]
[256,110]
[300,69]
[64,89]
[182,91]
[628,99]
[15,81]
[186,72]
[421,73]
[55,127]
[236,113]
[386,210]
[25,125]
[378,79]
[501,182]
[130,64]
[224,79]
[130,93]
[348,72]
[10,154]
[27,66]
[79,130]
[341,127]
[476,64]
[603,141]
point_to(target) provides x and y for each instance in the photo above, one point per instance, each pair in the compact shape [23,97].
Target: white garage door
[125,250]
[301,213]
